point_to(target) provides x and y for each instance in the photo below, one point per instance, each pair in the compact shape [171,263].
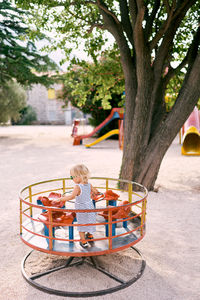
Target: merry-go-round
[50,228]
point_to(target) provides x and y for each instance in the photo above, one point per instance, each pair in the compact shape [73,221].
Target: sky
[58,55]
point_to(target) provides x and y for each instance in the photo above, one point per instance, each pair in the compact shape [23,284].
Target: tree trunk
[141,161]
[149,130]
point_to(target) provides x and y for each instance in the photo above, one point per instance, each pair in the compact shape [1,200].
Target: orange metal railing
[137,203]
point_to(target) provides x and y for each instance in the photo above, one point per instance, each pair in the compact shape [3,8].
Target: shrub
[27,116]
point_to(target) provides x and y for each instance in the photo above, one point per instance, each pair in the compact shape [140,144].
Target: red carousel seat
[97,197]
[119,212]
[60,218]
[110,195]
[54,195]
[47,202]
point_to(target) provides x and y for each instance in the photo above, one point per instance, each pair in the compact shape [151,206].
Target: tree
[97,81]
[95,88]
[150,35]
[27,116]
[12,100]
[19,58]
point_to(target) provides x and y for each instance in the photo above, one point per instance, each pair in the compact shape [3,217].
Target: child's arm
[94,191]
[75,192]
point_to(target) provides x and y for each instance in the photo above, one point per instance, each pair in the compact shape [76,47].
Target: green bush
[98,115]
[12,101]
[27,116]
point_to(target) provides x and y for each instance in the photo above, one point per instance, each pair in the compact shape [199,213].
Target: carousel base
[73,264]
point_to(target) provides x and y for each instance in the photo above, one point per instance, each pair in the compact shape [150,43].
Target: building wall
[48,109]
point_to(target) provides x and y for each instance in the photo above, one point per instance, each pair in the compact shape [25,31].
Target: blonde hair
[81,171]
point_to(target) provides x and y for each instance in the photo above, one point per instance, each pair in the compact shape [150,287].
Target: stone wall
[49,111]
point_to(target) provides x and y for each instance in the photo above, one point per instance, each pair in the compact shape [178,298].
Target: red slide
[116,113]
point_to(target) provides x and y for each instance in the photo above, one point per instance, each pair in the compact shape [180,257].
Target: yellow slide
[191,142]
[103,137]
[191,134]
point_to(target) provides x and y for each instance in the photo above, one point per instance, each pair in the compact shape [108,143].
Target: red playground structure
[116,113]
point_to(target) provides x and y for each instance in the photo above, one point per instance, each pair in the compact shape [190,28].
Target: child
[82,192]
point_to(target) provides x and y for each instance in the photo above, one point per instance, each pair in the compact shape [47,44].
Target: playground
[170,247]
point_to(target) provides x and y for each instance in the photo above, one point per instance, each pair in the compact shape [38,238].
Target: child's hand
[92,195]
[56,200]
[96,192]
[57,203]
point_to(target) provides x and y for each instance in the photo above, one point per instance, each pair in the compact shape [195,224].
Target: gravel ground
[171,246]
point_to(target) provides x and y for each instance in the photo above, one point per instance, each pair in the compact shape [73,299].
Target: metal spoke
[121,283]
[52,270]
[108,273]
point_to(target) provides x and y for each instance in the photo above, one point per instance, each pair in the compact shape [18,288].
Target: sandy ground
[171,246]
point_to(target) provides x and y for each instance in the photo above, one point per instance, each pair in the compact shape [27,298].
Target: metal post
[106,184]
[110,229]
[143,215]
[20,216]
[130,190]
[106,190]
[145,206]
[63,186]
[50,230]
[30,200]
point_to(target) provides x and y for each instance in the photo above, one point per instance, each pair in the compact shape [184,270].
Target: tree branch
[190,90]
[188,95]
[75,15]
[168,39]
[125,20]
[140,15]
[133,12]
[182,7]
[168,8]
[85,2]
[162,30]
[150,19]
[102,6]
[138,29]
[101,26]
[189,58]
[140,3]
[115,28]
[174,14]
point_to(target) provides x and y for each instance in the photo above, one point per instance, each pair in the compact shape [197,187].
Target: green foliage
[95,87]
[81,22]
[95,82]
[185,33]
[172,90]
[72,24]
[27,116]
[19,58]
[12,101]
[198,104]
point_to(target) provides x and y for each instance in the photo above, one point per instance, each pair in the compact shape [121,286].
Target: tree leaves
[19,58]
[12,100]
[95,82]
